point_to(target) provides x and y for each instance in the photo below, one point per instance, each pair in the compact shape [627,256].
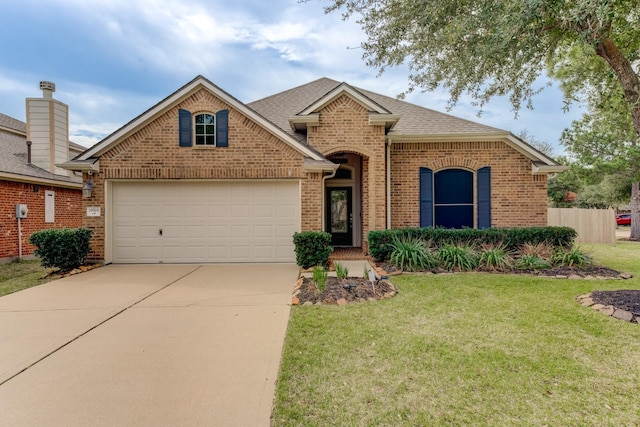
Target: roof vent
[47,89]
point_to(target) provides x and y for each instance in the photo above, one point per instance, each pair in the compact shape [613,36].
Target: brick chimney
[48,130]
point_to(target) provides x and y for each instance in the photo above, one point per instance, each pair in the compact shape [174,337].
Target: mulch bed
[355,290]
[628,300]
[342,292]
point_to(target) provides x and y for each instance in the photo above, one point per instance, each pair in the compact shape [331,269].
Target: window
[205,129]
[453,198]
[447,198]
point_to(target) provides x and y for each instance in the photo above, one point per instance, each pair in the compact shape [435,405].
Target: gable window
[447,198]
[205,129]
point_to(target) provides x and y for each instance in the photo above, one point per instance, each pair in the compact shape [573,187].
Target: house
[204,177]
[31,185]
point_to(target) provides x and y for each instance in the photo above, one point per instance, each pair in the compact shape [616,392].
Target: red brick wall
[518,198]
[68,213]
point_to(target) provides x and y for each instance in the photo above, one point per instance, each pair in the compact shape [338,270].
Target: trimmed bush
[381,241]
[62,248]
[312,248]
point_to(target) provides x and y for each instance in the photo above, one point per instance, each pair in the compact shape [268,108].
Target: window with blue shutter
[222,128]
[426,197]
[453,198]
[184,128]
[484,197]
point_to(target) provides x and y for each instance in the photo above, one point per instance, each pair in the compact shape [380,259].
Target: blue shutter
[426,197]
[184,128]
[484,197]
[222,128]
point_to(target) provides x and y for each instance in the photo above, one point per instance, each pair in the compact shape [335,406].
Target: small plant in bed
[412,254]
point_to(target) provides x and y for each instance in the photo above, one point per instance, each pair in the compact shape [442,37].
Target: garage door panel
[205,221]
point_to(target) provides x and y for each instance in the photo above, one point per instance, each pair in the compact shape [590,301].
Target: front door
[339,216]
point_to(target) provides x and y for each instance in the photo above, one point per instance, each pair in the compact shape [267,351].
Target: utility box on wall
[21,211]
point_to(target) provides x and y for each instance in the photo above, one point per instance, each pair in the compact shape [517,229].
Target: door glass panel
[339,211]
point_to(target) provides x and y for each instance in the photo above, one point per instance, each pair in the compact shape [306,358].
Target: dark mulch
[628,300]
[350,290]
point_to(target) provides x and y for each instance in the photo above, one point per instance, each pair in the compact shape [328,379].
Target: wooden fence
[592,225]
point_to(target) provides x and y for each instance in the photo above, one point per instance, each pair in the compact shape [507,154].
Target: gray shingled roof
[415,120]
[11,123]
[13,158]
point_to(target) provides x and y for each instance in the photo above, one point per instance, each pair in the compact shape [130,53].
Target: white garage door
[182,222]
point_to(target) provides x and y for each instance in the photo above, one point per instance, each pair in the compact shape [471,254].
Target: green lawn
[466,349]
[16,276]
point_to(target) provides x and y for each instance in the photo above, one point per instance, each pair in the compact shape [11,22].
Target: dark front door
[339,216]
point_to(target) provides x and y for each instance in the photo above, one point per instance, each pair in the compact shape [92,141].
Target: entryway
[343,201]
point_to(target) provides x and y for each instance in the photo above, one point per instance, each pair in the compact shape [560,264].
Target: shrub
[381,241]
[531,262]
[540,250]
[312,248]
[412,254]
[574,256]
[462,258]
[62,248]
[320,277]
[495,257]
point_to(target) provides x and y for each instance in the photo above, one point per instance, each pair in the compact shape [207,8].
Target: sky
[111,60]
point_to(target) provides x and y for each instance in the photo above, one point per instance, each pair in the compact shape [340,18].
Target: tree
[502,47]
[544,147]
[604,139]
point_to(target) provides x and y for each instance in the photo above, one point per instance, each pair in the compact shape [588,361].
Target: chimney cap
[44,85]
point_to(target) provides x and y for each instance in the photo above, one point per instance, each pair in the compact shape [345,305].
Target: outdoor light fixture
[87,189]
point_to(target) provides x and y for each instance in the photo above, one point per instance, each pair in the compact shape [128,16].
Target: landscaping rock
[608,310]
[623,315]
[587,302]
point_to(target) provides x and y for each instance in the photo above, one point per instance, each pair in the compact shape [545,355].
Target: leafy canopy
[490,48]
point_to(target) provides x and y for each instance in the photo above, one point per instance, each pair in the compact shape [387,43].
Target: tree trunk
[608,50]
[635,211]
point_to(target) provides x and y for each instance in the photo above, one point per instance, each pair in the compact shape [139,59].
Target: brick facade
[67,213]
[518,198]
[153,153]
[344,128]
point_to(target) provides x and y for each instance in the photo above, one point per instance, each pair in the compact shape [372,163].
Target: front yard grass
[16,276]
[466,349]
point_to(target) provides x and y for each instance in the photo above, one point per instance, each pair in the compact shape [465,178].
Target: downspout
[388,184]
[324,179]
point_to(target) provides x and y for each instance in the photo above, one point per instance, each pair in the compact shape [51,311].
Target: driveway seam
[97,325]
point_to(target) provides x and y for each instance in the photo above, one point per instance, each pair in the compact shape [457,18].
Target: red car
[623,219]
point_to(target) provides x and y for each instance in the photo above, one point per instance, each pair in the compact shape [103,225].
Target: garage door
[182,222]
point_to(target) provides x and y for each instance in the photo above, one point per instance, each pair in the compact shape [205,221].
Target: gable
[195,88]
[156,144]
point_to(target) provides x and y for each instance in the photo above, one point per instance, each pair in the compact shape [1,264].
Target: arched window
[447,198]
[453,198]
[205,129]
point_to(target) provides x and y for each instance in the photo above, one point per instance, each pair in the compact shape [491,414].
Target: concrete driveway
[145,345]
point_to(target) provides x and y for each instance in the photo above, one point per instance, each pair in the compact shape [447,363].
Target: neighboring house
[30,178]
[204,177]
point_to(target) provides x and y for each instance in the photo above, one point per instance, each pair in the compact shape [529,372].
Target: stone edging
[609,310]
[78,270]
